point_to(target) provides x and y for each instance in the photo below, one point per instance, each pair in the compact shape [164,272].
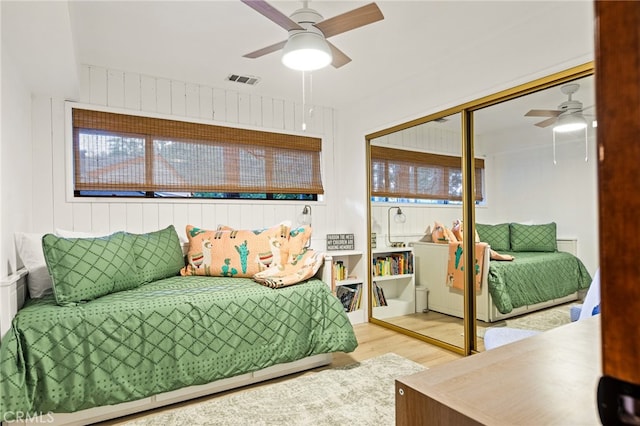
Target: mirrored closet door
[496,160]
[541,170]
[416,193]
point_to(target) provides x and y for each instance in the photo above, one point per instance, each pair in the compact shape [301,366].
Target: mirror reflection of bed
[529,179]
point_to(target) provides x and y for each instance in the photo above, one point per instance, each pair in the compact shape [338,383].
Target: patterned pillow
[533,237]
[497,236]
[298,239]
[158,254]
[235,253]
[292,273]
[84,269]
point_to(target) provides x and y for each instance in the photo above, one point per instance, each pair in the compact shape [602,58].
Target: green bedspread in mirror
[162,336]
[534,277]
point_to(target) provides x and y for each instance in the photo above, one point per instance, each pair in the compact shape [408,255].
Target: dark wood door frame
[617,71]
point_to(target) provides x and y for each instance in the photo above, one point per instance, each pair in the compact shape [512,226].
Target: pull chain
[586,146]
[311,95]
[304,107]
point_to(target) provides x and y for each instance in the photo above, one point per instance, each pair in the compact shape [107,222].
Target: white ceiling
[203,41]
[510,115]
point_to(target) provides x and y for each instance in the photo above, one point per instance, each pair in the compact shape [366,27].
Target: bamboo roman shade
[120,152]
[401,173]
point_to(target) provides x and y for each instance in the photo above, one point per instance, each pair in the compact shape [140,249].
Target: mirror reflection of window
[524,173]
[419,169]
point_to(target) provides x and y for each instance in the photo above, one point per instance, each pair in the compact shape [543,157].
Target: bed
[547,276]
[167,340]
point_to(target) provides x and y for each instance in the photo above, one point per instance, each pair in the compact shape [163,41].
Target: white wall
[520,54]
[517,56]
[524,185]
[15,162]
[132,91]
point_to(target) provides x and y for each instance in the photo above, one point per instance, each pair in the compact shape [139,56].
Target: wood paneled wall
[53,208]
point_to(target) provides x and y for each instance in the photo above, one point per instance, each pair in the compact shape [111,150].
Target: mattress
[535,277]
[162,336]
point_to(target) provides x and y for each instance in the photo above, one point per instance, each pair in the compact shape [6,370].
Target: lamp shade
[305,216]
[306,51]
[570,122]
[398,217]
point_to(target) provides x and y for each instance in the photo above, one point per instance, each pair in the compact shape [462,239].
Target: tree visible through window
[136,156]
[403,175]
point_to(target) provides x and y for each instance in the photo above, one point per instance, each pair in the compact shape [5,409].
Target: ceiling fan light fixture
[306,51]
[569,123]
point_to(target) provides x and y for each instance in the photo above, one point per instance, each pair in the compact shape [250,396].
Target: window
[401,175]
[134,156]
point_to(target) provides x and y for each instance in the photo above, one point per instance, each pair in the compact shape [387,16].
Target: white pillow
[76,234]
[30,251]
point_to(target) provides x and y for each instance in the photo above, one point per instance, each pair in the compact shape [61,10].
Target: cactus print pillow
[298,240]
[306,266]
[235,253]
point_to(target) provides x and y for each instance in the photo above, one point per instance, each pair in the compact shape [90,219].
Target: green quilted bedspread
[159,337]
[534,278]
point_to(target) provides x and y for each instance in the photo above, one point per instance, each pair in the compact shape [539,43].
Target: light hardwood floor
[373,340]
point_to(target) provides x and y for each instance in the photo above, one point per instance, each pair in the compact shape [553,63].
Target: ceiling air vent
[244,79]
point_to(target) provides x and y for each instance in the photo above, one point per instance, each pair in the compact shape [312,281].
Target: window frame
[404,156]
[70,160]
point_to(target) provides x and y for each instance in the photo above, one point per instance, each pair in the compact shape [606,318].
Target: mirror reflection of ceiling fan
[569,115]
[307,27]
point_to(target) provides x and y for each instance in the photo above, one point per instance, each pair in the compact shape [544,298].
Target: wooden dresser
[547,379]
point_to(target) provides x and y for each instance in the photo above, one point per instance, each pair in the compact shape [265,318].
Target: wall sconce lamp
[305,219]
[305,216]
[399,217]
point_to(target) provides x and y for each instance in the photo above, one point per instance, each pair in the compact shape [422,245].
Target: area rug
[357,394]
[542,320]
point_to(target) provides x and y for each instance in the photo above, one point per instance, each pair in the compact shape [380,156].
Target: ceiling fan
[309,24]
[569,112]
[567,118]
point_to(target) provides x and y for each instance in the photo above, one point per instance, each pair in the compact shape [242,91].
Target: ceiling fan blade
[547,122]
[350,20]
[266,50]
[339,57]
[543,113]
[270,12]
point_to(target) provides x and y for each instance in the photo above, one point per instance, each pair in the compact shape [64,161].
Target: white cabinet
[392,282]
[431,273]
[347,282]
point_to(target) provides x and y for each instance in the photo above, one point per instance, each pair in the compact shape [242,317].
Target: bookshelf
[392,282]
[347,282]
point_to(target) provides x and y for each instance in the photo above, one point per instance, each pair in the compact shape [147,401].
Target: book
[378,297]
[393,264]
[340,271]
[350,296]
